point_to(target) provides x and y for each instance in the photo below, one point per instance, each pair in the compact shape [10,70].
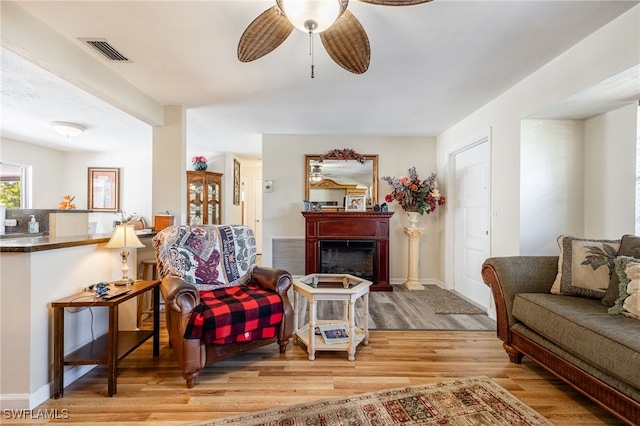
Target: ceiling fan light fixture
[311,15]
[316,174]
[67,129]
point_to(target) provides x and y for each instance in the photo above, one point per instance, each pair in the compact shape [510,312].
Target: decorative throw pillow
[629,246]
[628,302]
[584,266]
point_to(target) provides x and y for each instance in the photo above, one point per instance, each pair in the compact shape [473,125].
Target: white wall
[48,167]
[579,178]
[610,173]
[135,183]
[594,59]
[551,183]
[57,173]
[283,162]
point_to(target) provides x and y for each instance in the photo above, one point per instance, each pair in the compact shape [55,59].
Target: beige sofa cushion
[584,328]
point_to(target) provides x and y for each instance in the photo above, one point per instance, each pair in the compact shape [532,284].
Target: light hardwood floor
[153,391]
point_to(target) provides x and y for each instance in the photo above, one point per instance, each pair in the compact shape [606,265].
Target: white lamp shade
[322,12]
[124,236]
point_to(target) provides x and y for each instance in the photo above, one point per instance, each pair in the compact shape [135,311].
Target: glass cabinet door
[213,190]
[195,203]
[204,198]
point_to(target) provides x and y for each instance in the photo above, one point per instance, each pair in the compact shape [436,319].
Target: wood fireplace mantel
[349,226]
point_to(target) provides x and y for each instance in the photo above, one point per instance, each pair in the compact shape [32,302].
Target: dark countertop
[28,244]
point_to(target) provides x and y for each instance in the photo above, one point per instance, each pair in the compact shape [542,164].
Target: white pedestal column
[413,280]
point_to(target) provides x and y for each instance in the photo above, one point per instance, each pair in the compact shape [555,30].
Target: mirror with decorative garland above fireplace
[328,182]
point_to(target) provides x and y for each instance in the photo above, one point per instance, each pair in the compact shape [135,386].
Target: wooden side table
[110,347]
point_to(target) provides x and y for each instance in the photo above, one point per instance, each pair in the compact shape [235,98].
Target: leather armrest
[179,295]
[278,280]
[270,278]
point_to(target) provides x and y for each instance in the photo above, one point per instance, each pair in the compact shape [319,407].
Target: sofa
[218,303]
[580,333]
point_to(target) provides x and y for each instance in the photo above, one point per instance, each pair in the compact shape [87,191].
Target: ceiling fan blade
[395,2]
[347,43]
[264,34]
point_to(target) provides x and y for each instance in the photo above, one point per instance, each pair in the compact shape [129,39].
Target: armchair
[209,281]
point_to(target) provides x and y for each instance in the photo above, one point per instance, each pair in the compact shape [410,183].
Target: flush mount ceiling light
[67,129]
[341,33]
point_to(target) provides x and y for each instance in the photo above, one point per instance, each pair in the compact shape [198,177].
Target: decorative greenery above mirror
[330,177]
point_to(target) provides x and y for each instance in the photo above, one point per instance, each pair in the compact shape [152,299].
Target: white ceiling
[431,65]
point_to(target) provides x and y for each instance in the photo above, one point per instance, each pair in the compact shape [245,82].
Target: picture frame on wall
[236,182]
[355,203]
[103,189]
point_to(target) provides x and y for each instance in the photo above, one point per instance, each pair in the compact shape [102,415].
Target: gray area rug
[440,301]
[433,308]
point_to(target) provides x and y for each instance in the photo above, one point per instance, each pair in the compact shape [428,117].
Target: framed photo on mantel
[355,203]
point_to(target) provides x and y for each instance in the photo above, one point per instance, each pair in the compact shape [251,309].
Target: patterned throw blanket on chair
[218,260]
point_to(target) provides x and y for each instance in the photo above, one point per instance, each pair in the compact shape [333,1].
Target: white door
[471,222]
[257,217]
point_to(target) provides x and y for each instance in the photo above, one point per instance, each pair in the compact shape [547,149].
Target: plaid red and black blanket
[235,314]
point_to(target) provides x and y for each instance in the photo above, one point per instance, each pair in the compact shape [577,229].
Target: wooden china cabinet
[204,198]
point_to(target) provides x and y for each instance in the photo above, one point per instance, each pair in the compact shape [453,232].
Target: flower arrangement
[342,154]
[67,203]
[415,195]
[199,162]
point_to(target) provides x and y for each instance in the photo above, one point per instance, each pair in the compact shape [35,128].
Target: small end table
[110,347]
[347,288]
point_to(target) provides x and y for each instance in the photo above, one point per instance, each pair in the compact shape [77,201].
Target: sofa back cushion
[208,256]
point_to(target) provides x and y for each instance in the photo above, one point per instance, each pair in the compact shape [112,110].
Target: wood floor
[152,390]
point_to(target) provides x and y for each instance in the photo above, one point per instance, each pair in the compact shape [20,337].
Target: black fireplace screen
[354,257]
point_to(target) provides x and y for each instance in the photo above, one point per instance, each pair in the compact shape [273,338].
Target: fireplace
[360,237]
[348,257]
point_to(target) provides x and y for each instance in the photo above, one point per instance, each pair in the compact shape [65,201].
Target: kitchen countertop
[28,244]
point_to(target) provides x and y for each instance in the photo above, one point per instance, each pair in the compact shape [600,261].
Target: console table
[349,226]
[110,347]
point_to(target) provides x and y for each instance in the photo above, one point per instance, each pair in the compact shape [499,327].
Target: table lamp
[124,237]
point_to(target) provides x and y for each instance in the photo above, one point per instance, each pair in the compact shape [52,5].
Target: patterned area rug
[467,402]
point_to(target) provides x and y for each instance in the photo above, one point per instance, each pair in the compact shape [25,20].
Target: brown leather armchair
[181,288]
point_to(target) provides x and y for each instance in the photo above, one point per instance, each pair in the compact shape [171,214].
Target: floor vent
[105,49]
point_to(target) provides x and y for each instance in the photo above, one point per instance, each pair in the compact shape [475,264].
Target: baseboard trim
[423,281]
[28,401]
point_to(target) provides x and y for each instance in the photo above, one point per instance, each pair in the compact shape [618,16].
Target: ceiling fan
[341,33]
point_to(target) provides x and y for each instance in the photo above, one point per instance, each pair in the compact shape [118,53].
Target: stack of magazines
[334,333]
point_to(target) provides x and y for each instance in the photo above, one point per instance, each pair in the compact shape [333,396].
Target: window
[15,185]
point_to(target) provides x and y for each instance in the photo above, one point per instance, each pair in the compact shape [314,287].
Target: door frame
[450,249]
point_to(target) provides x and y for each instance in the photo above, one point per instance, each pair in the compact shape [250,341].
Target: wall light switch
[268,186]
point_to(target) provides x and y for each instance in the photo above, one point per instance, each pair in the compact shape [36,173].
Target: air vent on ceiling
[108,51]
